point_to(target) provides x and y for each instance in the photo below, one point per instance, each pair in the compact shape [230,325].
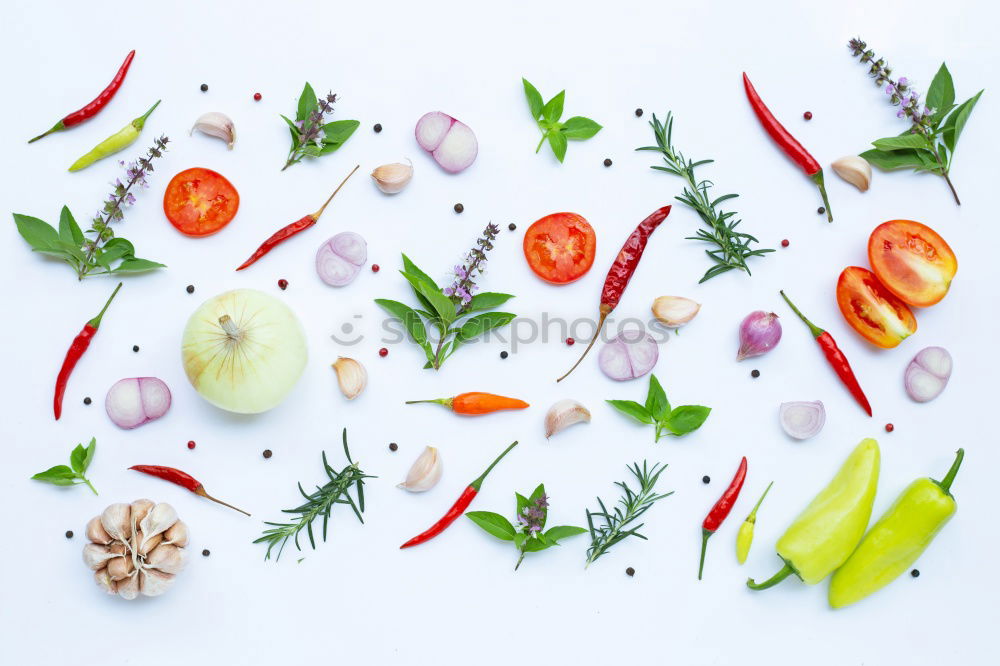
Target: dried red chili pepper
[787,142]
[182,479]
[286,232]
[458,508]
[621,272]
[720,510]
[92,109]
[835,358]
[80,344]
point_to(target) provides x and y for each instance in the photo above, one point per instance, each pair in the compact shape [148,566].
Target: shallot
[760,332]
[137,400]
[802,420]
[632,354]
[927,374]
[339,260]
[450,142]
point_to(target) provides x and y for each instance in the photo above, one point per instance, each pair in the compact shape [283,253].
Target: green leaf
[488,300]
[493,523]
[91,449]
[534,98]
[686,418]
[579,127]
[554,534]
[135,265]
[633,409]
[409,317]
[941,94]
[69,230]
[519,538]
[439,303]
[481,323]
[77,458]
[114,249]
[338,132]
[291,125]
[955,123]
[307,102]
[411,268]
[558,142]
[522,503]
[917,141]
[40,235]
[656,400]
[60,475]
[893,159]
[553,109]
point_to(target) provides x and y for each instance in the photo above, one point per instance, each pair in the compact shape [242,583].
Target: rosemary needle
[632,505]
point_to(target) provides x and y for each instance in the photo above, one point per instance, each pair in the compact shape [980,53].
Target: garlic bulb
[218,125]
[563,414]
[425,472]
[674,311]
[351,376]
[855,170]
[392,178]
[136,548]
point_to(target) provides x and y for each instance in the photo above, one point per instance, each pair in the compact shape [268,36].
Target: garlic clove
[96,556]
[128,588]
[97,533]
[392,178]
[563,414]
[158,520]
[119,548]
[120,567]
[177,535]
[140,508]
[149,544]
[351,376]
[153,583]
[674,311]
[104,581]
[424,473]
[168,559]
[855,170]
[116,521]
[218,125]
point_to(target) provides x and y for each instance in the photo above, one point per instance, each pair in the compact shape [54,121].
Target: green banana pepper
[825,534]
[897,539]
[117,141]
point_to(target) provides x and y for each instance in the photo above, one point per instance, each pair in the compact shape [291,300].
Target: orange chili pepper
[475,403]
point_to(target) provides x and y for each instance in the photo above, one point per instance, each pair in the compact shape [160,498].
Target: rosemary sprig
[632,505]
[732,246]
[319,503]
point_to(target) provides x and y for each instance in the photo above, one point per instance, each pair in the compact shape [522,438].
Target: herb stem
[89,485]
[542,142]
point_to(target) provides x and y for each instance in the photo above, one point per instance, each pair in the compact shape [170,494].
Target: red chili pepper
[721,510]
[458,508]
[286,232]
[76,350]
[787,142]
[182,479]
[621,272]
[835,358]
[94,107]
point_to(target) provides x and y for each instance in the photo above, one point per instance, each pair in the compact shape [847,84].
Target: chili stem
[784,573]
[818,179]
[477,484]
[816,330]
[705,534]
[597,333]
[96,321]
[316,215]
[201,491]
[946,482]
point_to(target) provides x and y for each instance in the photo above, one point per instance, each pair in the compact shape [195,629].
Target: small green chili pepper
[118,141]
[897,539]
[745,536]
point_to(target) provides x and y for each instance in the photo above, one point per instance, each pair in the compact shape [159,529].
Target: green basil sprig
[79,461]
[548,114]
[657,412]
[311,136]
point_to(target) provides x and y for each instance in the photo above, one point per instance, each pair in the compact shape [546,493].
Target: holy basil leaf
[553,109]
[291,125]
[77,459]
[554,534]
[441,304]
[307,103]
[522,503]
[941,93]
[482,323]
[579,127]
[339,131]
[91,449]
[633,409]
[136,265]
[534,98]
[488,300]
[955,123]
[916,141]
[69,230]
[493,523]
[408,316]
[686,418]
[537,543]
[656,400]
[519,539]
[558,142]
[40,235]
[893,159]
[60,475]
[411,268]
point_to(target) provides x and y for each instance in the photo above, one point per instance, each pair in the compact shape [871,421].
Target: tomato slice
[560,247]
[912,261]
[200,202]
[872,310]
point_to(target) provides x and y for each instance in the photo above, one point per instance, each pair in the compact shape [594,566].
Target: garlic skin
[351,376]
[563,414]
[855,170]
[424,473]
[218,125]
[674,311]
[392,178]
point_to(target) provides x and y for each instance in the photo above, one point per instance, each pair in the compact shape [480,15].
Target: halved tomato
[872,310]
[912,261]
[560,247]
[199,202]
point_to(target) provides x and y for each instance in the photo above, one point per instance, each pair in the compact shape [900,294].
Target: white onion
[633,353]
[339,259]
[802,420]
[450,142]
[137,400]
[927,374]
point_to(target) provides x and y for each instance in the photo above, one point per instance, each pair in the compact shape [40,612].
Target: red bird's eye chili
[94,107]
[621,272]
[80,344]
[721,510]
[182,479]
[286,232]
[787,142]
[835,358]
[458,508]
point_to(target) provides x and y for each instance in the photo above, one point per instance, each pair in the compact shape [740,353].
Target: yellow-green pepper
[897,539]
[744,538]
[120,140]
[825,534]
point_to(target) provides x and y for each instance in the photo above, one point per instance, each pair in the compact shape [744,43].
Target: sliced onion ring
[802,420]
[134,401]
[632,353]
[450,142]
[927,374]
[339,259]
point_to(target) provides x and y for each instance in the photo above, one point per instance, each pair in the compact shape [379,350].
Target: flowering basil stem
[311,136]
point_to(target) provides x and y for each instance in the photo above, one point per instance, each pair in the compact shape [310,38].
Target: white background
[456,600]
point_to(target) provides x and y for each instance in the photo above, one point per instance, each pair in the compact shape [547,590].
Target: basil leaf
[339,131]
[411,268]
[522,503]
[441,304]
[519,538]
[535,495]
[553,109]
[409,317]
[917,141]
[40,235]
[686,418]
[563,531]
[656,400]
[135,265]
[488,300]
[493,523]
[537,543]
[91,449]
[558,143]
[291,125]
[479,324]
[534,98]
[956,121]
[893,159]
[579,127]
[941,93]
[77,458]
[633,409]
[69,230]
[60,475]
[307,102]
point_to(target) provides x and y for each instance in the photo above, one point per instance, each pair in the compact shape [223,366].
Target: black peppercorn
[206,552]
[377,128]
[87,400]
[512,226]
[393,446]
[204,87]
[915,573]
[630,571]
[135,348]
[755,373]
[638,113]
[503,354]
[607,161]
[190,289]
[706,479]
[267,453]
[821,210]
[459,208]
[69,534]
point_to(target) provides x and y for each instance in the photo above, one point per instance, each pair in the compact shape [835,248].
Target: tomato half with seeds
[200,202]
[912,261]
[872,310]
[560,247]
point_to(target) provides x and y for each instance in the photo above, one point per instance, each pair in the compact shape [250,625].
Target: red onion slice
[927,374]
[339,259]
[632,354]
[451,143]
[137,400]
[802,420]
[431,129]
